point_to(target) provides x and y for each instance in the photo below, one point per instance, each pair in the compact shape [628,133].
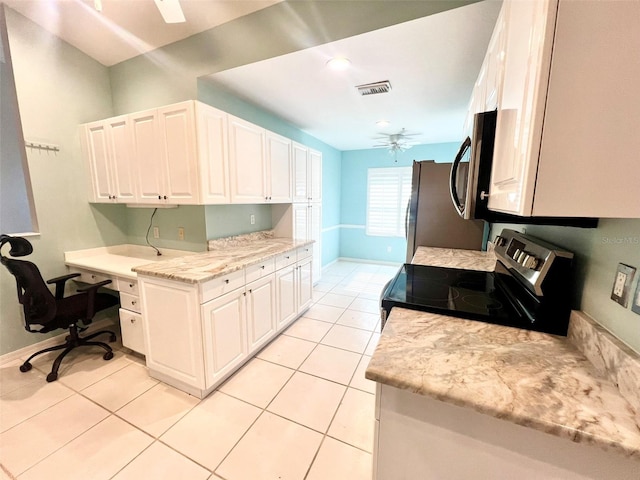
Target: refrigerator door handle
[453,178]
[406,220]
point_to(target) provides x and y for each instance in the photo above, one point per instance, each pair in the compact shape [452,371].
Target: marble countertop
[530,378]
[455,258]
[226,256]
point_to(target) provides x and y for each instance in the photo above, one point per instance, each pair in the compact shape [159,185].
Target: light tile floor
[301,409]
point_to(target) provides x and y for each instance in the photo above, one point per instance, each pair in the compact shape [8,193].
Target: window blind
[388,193]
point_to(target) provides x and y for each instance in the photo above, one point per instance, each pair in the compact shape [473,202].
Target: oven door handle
[453,177]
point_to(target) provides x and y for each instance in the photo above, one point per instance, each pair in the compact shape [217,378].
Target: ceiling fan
[396,142]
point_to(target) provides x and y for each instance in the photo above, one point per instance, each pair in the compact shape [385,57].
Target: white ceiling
[431,62]
[128,28]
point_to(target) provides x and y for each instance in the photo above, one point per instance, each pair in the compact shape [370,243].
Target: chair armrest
[91,290]
[60,281]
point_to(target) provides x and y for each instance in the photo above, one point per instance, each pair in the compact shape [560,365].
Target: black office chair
[51,312]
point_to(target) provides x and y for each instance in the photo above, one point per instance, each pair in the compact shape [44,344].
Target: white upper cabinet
[566,140]
[213,154]
[107,146]
[279,168]
[179,153]
[307,173]
[192,153]
[247,161]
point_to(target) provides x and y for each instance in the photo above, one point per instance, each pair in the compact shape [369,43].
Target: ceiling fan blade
[170,11]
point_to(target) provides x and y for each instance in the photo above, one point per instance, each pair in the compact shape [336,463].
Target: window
[388,193]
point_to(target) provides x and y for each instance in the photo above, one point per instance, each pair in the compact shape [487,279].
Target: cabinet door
[212,154]
[97,151]
[173,330]
[178,153]
[225,335]
[279,168]
[305,284]
[315,176]
[147,157]
[261,318]
[528,42]
[246,162]
[299,154]
[286,308]
[301,213]
[315,230]
[121,156]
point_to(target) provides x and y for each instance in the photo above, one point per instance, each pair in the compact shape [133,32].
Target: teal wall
[229,220]
[598,252]
[354,242]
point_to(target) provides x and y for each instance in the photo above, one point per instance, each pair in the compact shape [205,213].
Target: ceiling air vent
[374,88]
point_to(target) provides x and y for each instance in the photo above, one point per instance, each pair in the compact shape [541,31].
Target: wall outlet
[252,218]
[180,233]
[389,249]
[156,232]
[622,284]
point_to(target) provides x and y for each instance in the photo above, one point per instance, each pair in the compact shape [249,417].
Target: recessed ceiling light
[382,123]
[339,63]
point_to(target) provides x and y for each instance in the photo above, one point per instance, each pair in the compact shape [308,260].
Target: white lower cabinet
[173,331]
[261,317]
[194,340]
[225,334]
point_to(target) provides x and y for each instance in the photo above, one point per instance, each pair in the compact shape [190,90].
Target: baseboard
[52,341]
[365,260]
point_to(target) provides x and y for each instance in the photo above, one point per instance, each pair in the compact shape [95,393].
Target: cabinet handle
[131,285]
[262,267]
[250,291]
[287,258]
[244,294]
[93,277]
[133,302]
[226,280]
[165,197]
[133,320]
[159,197]
[484,195]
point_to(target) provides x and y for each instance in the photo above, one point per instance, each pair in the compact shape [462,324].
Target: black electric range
[528,288]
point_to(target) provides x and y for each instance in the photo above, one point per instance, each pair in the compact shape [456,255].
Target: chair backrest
[37,301]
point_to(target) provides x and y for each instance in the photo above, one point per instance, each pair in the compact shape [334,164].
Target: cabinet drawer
[130,302]
[285,259]
[304,252]
[132,328]
[259,270]
[93,277]
[221,285]
[128,286]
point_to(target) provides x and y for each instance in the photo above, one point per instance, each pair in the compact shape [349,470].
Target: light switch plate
[622,284]
[635,303]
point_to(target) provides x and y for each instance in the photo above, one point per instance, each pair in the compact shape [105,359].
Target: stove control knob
[522,257]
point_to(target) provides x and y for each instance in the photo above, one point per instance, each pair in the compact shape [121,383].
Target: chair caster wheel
[25,367]
[108,356]
[112,338]
[52,377]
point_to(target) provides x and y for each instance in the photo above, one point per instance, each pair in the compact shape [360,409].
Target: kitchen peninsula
[462,399]
[198,317]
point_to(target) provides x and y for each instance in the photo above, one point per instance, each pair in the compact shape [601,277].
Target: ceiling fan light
[382,123]
[339,63]
[170,11]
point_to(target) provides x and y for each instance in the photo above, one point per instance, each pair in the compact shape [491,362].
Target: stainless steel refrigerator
[432,220]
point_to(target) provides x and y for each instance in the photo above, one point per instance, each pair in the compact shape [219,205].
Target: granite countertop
[225,256]
[455,258]
[530,378]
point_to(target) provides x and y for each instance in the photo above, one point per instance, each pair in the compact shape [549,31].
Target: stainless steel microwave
[471,170]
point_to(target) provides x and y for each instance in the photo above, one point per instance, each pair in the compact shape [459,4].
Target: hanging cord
[149,229]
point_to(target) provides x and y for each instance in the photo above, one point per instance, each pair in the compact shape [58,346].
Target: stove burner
[480,301]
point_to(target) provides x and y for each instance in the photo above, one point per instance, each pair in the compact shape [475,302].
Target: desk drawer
[93,277]
[127,285]
[132,330]
[285,259]
[221,285]
[130,302]
[259,270]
